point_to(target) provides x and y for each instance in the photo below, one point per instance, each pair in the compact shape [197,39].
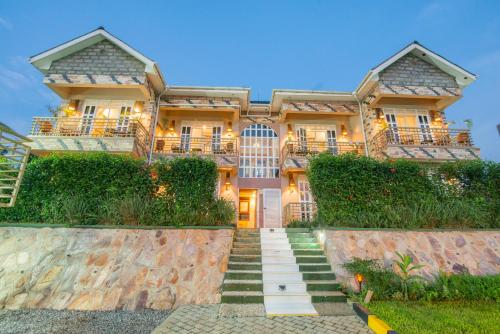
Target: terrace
[296,152]
[88,134]
[304,211]
[427,143]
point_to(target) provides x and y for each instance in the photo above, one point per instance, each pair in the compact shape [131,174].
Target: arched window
[259,152]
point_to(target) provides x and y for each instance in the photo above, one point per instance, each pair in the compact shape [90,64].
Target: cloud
[14,80]
[6,24]
[486,60]
[430,11]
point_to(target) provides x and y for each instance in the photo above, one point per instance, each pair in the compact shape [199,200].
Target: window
[88,119]
[124,120]
[306,200]
[259,157]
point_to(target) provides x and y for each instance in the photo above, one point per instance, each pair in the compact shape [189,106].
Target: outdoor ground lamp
[359,278]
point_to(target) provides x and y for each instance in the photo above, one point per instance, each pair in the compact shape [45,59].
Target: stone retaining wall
[477,252]
[108,269]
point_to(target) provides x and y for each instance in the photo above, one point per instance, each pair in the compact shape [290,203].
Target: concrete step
[277,252]
[299,252]
[327,296]
[319,276]
[245,258]
[278,259]
[280,268]
[242,286]
[245,245]
[295,240]
[272,246]
[287,309]
[243,275]
[244,266]
[274,288]
[247,240]
[306,246]
[311,259]
[242,297]
[298,230]
[272,230]
[314,267]
[287,297]
[245,251]
[323,286]
[282,277]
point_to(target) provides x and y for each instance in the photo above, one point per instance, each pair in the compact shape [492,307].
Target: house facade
[115,99]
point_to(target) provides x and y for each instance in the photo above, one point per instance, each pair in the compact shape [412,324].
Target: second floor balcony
[295,153]
[223,150]
[88,134]
[425,143]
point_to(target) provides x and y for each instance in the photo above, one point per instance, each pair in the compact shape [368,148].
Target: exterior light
[229,126]
[380,114]
[290,131]
[359,278]
[228,181]
[343,130]
[291,181]
[171,127]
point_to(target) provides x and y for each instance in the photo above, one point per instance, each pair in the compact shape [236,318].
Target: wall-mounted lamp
[228,181]
[171,127]
[291,181]
[229,126]
[290,131]
[436,116]
[343,130]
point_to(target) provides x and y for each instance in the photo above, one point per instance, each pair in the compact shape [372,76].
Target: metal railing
[297,148]
[14,155]
[424,136]
[300,212]
[196,145]
[86,127]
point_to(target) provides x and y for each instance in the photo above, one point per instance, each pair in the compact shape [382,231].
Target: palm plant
[406,266]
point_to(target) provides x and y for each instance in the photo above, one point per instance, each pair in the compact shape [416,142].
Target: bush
[382,281]
[100,188]
[387,285]
[363,192]
[463,287]
[57,185]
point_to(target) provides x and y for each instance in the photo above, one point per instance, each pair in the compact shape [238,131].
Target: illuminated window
[259,152]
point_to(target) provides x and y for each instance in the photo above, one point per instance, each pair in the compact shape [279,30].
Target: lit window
[259,152]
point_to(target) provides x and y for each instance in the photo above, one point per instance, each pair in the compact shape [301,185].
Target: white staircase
[285,292]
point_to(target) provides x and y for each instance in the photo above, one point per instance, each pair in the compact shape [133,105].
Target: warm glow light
[71,108]
[359,278]
[137,109]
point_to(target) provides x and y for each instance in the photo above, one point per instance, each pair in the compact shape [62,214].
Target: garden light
[359,278]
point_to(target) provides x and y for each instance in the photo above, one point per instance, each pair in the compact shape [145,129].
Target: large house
[116,99]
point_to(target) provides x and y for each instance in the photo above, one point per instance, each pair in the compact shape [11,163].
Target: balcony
[223,150]
[295,153]
[422,143]
[88,134]
[300,212]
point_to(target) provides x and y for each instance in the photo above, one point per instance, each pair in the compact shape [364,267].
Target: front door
[272,207]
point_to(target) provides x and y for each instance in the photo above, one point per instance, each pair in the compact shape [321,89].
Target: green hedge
[101,188]
[363,192]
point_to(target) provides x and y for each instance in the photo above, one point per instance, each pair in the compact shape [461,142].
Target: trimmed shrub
[363,192]
[101,188]
[61,185]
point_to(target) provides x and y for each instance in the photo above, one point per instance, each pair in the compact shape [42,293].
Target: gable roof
[461,75]
[43,60]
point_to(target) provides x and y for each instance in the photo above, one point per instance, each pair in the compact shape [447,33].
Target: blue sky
[324,45]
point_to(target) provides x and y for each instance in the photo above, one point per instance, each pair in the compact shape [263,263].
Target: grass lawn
[439,317]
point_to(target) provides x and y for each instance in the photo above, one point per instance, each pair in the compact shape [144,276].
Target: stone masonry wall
[99,59]
[477,252]
[413,71]
[108,269]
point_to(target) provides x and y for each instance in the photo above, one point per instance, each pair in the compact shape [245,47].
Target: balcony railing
[86,127]
[308,147]
[195,145]
[300,212]
[423,137]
